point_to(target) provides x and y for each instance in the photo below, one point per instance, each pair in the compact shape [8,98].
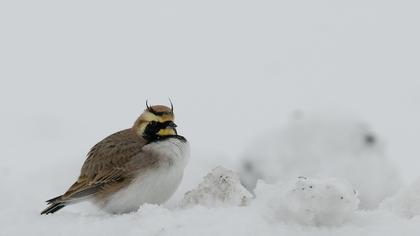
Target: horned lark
[142,164]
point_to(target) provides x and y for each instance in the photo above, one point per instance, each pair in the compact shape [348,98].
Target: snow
[324,145]
[221,187]
[73,72]
[306,201]
[277,209]
[406,203]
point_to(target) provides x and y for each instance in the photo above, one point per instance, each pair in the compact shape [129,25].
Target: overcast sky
[73,72]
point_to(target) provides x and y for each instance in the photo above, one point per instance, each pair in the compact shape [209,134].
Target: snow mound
[221,187]
[317,202]
[324,145]
[406,203]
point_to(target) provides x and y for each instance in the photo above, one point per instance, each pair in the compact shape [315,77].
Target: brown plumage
[114,162]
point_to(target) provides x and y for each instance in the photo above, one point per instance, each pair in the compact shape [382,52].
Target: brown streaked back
[111,164]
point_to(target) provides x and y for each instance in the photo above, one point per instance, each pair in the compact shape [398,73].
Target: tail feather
[53,200]
[53,208]
[54,205]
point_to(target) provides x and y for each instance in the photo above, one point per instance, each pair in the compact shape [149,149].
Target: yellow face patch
[167,131]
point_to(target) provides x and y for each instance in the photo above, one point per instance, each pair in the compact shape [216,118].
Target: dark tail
[55,204]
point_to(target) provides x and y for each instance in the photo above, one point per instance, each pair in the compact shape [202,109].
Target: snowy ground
[300,207]
[73,72]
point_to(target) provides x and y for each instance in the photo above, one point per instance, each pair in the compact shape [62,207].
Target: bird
[138,165]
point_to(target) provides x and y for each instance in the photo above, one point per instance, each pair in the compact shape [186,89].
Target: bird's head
[156,121]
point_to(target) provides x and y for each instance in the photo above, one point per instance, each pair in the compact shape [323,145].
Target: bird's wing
[111,165]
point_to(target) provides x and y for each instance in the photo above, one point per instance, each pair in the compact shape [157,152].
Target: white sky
[73,72]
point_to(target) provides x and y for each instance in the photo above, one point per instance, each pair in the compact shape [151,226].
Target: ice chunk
[221,187]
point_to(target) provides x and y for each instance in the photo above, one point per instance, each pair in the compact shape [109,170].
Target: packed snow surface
[324,145]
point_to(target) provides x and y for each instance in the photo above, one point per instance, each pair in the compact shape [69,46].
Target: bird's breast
[170,152]
[155,185]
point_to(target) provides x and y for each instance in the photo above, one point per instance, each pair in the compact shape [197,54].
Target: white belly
[156,185]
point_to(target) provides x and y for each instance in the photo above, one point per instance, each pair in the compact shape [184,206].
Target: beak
[171,124]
